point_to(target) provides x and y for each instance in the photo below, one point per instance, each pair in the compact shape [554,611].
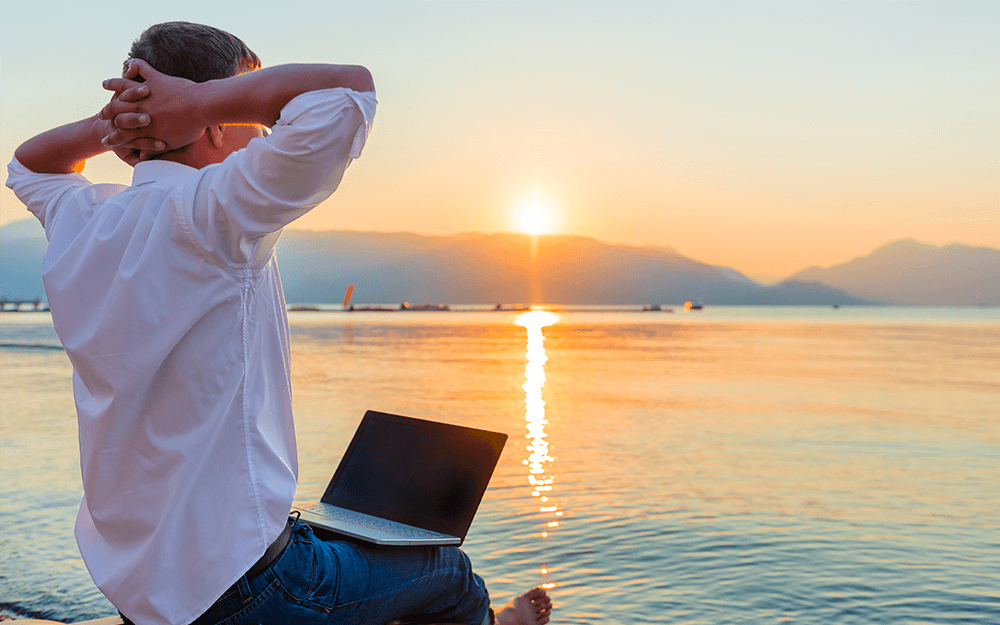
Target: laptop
[406,481]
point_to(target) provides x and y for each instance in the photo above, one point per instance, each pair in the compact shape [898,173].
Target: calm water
[734,465]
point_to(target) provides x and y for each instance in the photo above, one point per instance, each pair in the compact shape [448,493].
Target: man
[167,299]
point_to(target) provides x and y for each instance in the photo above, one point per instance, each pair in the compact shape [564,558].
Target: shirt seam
[182,221]
[251,469]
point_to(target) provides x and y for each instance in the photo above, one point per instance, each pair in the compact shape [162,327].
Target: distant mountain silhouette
[316,267]
[736,276]
[908,272]
[486,268]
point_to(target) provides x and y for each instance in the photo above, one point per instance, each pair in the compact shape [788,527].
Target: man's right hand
[131,91]
[171,108]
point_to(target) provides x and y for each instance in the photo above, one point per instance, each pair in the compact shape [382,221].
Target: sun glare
[536,215]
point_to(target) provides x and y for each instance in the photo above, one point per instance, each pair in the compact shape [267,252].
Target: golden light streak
[538,459]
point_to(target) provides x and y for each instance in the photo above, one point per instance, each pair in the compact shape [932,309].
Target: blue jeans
[342,582]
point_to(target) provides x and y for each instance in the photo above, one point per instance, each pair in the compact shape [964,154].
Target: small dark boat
[424,307]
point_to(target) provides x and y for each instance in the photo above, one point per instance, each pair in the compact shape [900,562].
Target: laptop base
[367,528]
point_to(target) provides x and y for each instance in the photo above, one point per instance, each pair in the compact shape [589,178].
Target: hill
[316,267]
[487,268]
[908,272]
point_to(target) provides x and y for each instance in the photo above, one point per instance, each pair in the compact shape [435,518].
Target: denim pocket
[309,572]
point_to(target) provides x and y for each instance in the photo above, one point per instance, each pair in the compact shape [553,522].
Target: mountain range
[470,268]
[490,268]
[909,272]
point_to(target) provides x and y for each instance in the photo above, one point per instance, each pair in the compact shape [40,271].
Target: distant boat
[689,305]
[424,307]
[656,308]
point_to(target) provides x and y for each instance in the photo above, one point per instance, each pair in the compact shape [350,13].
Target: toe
[535,593]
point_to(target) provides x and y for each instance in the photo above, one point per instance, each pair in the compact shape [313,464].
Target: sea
[809,465]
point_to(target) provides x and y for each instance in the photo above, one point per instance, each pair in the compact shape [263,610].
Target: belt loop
[243,586]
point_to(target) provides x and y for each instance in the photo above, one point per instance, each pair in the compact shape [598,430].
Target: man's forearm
[258,97]
[181,110]
[64,149]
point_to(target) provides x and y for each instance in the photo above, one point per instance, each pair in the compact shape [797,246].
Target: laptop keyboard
[359,519]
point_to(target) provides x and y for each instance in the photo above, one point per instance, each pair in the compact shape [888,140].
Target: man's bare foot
[531,608]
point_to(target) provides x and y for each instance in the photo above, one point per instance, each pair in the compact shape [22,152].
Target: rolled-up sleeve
[278,178]
[41,193]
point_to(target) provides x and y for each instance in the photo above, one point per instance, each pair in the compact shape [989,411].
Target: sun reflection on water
[538,461]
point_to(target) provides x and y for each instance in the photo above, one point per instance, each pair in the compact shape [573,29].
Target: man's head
[199,53]
[194,51]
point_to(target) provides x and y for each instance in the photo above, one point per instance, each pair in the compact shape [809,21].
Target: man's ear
[215,136]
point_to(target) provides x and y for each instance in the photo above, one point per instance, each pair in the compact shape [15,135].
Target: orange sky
[764,136]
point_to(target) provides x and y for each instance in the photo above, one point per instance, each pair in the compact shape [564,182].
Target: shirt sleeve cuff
[17,173]
[35,190]
[365,102]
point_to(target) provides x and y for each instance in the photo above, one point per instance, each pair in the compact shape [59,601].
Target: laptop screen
[422,473]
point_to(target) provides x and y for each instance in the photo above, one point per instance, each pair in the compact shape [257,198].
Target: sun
[536,215]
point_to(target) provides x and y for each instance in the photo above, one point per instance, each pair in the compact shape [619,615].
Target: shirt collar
[152,171]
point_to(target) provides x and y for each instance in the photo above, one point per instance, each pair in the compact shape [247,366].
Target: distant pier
[23,305]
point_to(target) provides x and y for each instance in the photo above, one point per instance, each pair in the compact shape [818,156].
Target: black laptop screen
[422,473]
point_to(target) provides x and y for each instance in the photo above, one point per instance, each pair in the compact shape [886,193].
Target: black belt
[271,553]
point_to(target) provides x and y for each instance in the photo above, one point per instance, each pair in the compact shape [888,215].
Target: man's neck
[214,146]
[191,157]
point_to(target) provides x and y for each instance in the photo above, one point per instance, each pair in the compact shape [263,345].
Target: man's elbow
[25,155]
[360,79]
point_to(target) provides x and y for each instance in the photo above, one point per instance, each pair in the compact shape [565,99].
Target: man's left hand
[128,91]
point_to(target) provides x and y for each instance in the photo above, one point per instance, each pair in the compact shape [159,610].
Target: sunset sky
[764,136]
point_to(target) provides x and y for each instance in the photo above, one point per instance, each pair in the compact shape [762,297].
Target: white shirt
[167,298]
